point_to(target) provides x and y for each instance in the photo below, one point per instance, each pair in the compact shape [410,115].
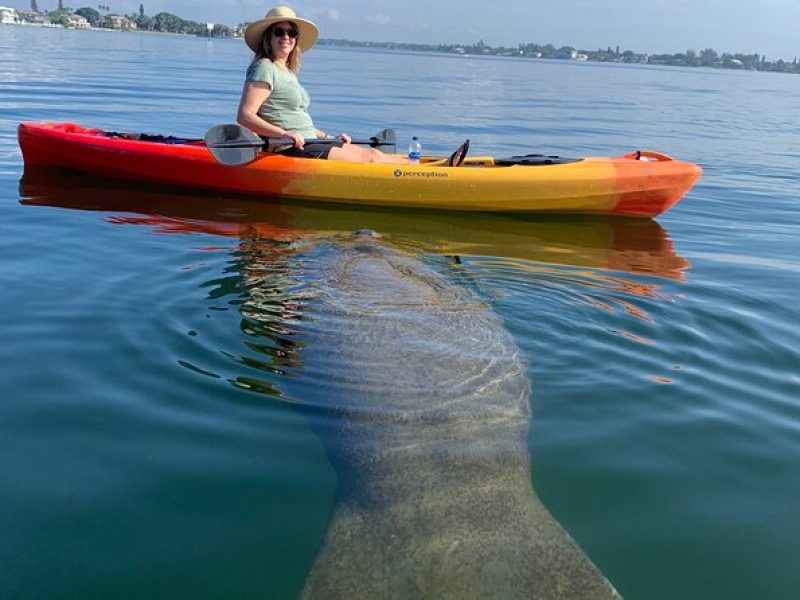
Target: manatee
[425,412]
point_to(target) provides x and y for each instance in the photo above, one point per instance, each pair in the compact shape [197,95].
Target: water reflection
[607,264]
[636,246]
[270,309]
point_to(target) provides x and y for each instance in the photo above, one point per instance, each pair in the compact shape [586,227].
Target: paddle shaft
[273,141]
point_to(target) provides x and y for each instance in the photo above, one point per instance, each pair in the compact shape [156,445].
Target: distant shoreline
[708,57]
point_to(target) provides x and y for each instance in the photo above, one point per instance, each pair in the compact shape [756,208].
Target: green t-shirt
[287,105]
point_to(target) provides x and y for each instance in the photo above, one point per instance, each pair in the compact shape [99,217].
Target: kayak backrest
[146,137]
[534,160]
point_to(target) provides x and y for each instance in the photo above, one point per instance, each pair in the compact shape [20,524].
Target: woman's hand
[342,136]
[298,139]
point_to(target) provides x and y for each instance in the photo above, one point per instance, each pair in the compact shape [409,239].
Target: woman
[274,104]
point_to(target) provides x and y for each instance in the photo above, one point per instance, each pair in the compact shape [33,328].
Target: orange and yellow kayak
[643,184]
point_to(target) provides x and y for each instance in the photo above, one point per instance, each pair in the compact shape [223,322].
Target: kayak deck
[641,184]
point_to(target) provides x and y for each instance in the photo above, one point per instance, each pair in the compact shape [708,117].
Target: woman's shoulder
[262,69]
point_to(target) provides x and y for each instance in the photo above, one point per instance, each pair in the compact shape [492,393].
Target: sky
[766,27]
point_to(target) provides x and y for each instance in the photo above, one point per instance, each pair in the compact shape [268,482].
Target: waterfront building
[77,22]
[119,22]
[29,17]
[8,16]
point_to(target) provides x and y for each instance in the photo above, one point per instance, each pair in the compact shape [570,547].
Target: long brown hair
[265,50]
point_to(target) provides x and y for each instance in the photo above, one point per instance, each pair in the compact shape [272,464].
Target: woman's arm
[254,94]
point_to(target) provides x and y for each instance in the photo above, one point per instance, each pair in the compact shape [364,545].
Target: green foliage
[59,17]
[90,15]
[221,31]
[708,57]
[144,23]
[168,22]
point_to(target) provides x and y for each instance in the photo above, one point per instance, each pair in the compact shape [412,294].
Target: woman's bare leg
[352,153]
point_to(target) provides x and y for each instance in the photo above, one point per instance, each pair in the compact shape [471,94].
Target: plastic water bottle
[414,151]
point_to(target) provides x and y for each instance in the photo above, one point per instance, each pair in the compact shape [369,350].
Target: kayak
[642,183]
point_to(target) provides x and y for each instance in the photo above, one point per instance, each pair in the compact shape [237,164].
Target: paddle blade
[385,137]
[232,144]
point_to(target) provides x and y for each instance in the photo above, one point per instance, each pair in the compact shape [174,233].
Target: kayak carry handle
[648,156]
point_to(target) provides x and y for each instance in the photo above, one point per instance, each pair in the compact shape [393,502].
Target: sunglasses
[279,32]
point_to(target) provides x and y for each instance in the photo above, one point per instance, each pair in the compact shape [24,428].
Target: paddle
[232,144]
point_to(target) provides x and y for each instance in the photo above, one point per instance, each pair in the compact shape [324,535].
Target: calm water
[150,437]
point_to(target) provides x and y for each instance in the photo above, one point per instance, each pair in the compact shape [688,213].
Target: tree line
[691,58]
[163,21]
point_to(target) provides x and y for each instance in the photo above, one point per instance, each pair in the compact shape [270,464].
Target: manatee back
[426,412]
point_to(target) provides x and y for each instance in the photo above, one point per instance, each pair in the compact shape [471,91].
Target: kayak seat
[534,160]
[457,158]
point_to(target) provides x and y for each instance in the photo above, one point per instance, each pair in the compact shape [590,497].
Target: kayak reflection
[615,244]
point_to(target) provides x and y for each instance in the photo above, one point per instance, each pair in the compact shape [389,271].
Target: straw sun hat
[307,30]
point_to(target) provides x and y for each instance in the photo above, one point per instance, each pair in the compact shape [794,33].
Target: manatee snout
[365,234]
[365,242]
